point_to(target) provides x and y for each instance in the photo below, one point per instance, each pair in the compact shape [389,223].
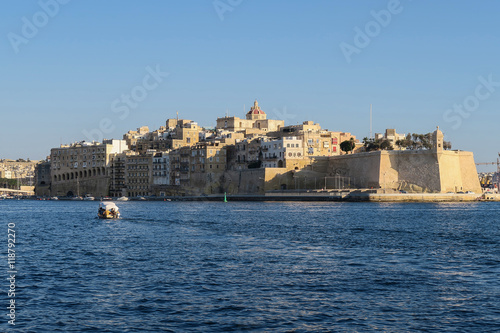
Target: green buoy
[225,199]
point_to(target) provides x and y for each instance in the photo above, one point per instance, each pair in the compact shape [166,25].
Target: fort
[256,156]
[393,171]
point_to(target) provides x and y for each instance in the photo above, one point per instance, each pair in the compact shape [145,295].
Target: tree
[347,145]
[385,145]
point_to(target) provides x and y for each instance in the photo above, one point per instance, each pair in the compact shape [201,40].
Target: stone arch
[81,174]
[64,176]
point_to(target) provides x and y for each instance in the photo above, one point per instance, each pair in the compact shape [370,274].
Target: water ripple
[284,267]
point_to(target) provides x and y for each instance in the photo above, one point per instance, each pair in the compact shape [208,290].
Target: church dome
[255,109]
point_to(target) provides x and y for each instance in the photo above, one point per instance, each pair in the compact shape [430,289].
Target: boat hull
[108,215]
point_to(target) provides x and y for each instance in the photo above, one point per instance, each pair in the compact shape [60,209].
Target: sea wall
[95,186]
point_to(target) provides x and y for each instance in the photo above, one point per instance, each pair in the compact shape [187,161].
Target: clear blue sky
[84,56]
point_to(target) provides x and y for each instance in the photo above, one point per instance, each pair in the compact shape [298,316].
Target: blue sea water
[253,267]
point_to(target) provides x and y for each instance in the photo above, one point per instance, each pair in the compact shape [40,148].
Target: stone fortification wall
[410,170]
[363,169]
[96,186]
[422,171]
[458,172]
[249,181]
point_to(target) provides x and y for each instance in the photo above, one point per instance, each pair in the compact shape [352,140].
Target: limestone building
[42,179]
[117,186]
[177,133]
[82,168]
[315,140]
[131,137]
[255,122]
[276,152]
[138,174]
[391,136]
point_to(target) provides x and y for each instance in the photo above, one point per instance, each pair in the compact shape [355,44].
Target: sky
[82,70]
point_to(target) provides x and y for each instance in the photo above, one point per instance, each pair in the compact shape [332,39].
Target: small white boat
[122,199]
[77,198]
[108,210]
[89,198]
[54,198]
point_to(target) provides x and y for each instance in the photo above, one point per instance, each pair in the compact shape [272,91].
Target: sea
[174,266]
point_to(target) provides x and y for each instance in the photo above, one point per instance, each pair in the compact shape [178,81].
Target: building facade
[82,168]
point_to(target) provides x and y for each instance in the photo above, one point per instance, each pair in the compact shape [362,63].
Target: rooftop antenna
[177,115]
[371,122]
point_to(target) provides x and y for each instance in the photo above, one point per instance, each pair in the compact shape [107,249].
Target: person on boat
[112,211]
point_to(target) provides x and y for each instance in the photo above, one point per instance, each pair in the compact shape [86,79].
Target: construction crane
[487,163]
[492,163]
